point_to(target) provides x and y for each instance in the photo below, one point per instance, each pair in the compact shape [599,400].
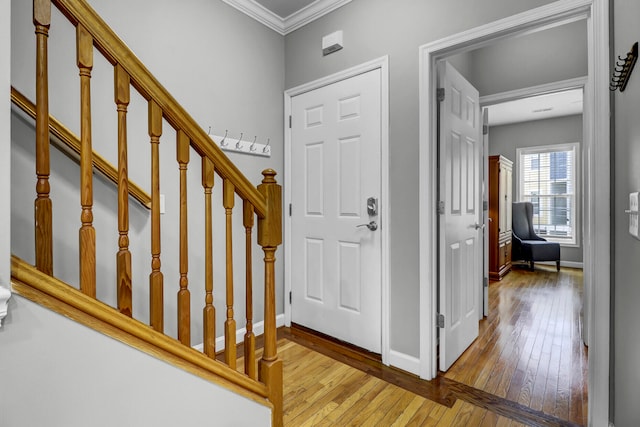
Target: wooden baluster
[270,237]
[87,234]
[249,336]
[42,204]
[122,83]
[209,312]
[184,296]
[228,200]
[156,297]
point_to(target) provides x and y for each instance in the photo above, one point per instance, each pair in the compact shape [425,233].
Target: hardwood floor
[528,367]
[320,391]
[530,348]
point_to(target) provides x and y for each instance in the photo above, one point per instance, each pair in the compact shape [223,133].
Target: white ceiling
[285,8]
[284,16]
[539,107]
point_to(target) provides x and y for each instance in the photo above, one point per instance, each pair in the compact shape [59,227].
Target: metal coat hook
[241,146]
[622,70]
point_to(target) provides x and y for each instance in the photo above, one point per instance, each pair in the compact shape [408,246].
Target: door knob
[371,225]
[478,226]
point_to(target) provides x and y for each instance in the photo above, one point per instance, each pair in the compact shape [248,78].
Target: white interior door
[460,266]
[335,193]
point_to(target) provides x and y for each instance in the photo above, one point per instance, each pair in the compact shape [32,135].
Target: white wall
[507,139]
[226,69]
[56,372]
[625,179]
[373,28]
[5,145]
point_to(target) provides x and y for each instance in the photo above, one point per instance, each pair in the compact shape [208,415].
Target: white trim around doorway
[596,215]
[513,95]
[382,64]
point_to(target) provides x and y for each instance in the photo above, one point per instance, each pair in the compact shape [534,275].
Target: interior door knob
[371,225]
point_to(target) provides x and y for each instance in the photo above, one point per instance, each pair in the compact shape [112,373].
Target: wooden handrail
[72,146]
[116,52]
[30,276]
[264,201]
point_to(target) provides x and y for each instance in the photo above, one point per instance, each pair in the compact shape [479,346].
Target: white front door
[335,194]
[460,214]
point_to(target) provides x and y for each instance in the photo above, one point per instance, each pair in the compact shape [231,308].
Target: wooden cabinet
[500,198]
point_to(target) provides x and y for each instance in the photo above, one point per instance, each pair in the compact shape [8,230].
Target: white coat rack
[239,145]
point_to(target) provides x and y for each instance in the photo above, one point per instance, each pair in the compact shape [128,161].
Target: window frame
[575,177]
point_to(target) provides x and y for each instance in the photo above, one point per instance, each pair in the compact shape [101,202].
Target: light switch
[162,205]
[633,215]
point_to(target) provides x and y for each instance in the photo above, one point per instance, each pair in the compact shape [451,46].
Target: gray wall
[507,139]
[373,28]
[552,55]
[225,68]
[98,381]
[555,54]
[5,146]
[626,178]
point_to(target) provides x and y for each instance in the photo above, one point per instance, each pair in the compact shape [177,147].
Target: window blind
[547,179]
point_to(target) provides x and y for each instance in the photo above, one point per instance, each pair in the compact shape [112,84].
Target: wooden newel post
[42,204]
[270,237]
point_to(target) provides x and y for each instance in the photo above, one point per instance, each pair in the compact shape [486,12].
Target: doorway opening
[596,182]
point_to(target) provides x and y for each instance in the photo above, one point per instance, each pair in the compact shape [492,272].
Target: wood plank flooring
[528,367]
[320,391]
[530,348]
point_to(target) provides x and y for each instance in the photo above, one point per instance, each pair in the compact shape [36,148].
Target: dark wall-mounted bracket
[624,67]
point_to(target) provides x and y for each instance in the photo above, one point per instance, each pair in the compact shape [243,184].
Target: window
[547,178]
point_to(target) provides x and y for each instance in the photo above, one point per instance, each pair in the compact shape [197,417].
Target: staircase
[261,379]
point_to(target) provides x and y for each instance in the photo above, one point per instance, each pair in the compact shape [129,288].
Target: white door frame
[383,218]
[596,215]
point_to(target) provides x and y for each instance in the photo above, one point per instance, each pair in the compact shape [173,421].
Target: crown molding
[259,13]
[5,294]
[310,13]
[284,26]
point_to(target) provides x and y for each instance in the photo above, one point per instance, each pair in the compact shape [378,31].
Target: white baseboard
[569,264]
[258,329]
[404,361]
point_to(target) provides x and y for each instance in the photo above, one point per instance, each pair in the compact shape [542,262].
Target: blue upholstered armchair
[526,244]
